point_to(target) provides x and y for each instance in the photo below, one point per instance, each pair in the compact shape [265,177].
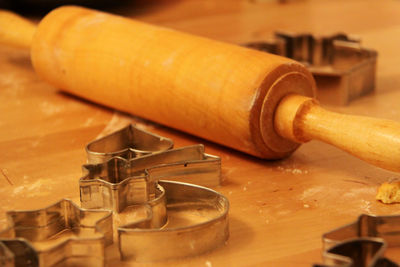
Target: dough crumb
[389,193]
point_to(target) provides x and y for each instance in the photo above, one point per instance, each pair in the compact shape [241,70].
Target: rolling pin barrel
[248,100]
[221,92]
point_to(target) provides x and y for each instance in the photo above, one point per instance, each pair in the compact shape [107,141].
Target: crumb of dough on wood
[389,193]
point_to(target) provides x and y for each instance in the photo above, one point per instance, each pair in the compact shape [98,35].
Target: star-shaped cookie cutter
[344,70]
[57,233]
[362,243]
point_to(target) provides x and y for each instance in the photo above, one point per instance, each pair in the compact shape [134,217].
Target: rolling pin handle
[376,141]
[15,30]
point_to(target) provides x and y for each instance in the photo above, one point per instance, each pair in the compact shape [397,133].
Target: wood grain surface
[279,209]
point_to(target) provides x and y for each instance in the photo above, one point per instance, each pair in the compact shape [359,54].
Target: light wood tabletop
[279,209]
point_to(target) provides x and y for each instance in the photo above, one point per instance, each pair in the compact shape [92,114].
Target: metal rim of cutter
[344,70]
[30,226]
[357,252]
[140,242]
[127,142]
[104,185]
[363,242]
[159,162]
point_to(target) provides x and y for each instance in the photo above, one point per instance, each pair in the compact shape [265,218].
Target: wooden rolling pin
[251,101]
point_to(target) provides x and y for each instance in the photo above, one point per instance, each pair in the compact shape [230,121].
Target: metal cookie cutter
[197,223]
[129,142]
[343,69]
[119,182]
[362,243]
[137,152]
[57,234]
[181,219]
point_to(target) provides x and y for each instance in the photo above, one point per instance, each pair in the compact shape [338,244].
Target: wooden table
[279,209]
